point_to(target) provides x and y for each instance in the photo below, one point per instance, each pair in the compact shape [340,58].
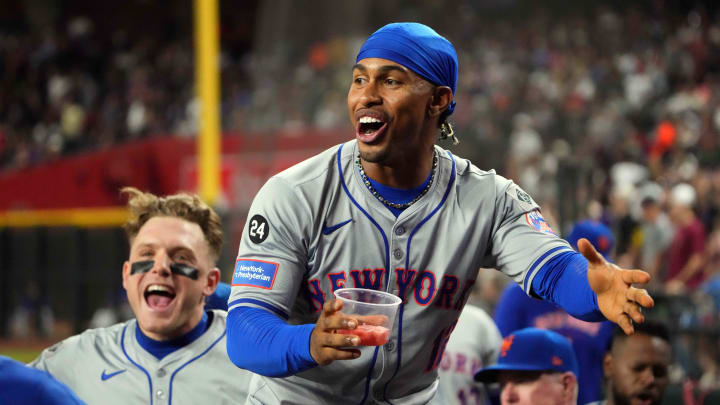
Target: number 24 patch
[258,228]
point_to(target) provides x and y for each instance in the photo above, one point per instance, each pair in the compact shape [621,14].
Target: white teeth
[368,120]
[158,287]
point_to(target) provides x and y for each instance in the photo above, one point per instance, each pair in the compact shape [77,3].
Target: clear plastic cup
[375,311]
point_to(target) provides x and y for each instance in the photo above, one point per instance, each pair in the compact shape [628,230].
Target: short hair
[189,207]
[650,327]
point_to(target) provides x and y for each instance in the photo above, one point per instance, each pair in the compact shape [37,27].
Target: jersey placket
[161,384]
[398,233]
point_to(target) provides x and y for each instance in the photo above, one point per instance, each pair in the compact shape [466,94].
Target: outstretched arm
[617,299]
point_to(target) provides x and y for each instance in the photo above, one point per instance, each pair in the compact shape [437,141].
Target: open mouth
[158,296]
[644,398]
[370,128]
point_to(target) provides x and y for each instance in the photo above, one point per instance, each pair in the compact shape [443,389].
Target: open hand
[326,345]
[618,300]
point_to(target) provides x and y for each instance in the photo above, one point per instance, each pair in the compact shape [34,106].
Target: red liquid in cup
[370,335]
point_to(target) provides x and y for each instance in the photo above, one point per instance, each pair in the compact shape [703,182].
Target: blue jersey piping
[407,266]
[263,304]
[122,345]
[387,260]
[190,361]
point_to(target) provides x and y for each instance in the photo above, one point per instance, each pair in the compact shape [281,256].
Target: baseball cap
[599,235]
[532,349]
[683,194]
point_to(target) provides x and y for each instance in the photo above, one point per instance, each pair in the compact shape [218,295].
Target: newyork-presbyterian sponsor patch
[536,220]
[255,273]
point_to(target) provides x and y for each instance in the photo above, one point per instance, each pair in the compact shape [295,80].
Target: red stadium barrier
[161,165]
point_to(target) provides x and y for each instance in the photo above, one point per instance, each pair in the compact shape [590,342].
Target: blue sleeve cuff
[563,281]
[259,341]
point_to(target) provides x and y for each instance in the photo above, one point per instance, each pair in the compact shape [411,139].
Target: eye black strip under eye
[184,270]
[141,267]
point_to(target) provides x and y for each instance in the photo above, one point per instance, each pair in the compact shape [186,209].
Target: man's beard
[380,157]
[620,399]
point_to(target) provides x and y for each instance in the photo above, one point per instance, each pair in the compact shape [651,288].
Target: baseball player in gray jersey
[174,351]
[392,211]
[474,344]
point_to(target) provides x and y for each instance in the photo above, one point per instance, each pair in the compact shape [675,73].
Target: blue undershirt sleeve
[261,342]
[563,281]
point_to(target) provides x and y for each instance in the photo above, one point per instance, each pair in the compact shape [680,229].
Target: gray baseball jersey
[316,227]
[108,366]
[474,344]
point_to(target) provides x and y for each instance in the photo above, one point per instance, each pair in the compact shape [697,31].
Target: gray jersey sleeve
[60,359]
[273,253]
[522,241]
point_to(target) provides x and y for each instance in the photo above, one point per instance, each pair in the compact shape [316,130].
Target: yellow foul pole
[208,92]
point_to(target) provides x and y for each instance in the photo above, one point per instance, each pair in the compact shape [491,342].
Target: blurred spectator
[686,255]
[32,317]
[657,233]
[636,366]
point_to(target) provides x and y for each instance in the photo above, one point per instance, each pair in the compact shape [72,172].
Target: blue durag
[418,48]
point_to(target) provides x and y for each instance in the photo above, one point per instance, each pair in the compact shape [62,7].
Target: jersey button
[161,373]
[398,254]
[400,230]
[390,345]
[160,394]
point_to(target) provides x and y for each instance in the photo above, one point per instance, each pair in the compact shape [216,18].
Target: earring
[446,131]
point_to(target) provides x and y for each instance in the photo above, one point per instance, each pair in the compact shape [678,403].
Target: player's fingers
[635,276]
[331,307]
[338,321]
[340,340]
[625,324]
[634,311]
[586,249]
[342,354]
[640,296]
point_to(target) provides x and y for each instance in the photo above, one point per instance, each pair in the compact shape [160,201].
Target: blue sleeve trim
[563,281]
[264,344]
[263,304]
[529,275]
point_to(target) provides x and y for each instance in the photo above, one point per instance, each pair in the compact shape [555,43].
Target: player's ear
[607,364]
[125,273]
[569,382]
[440,100]
[213,278]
